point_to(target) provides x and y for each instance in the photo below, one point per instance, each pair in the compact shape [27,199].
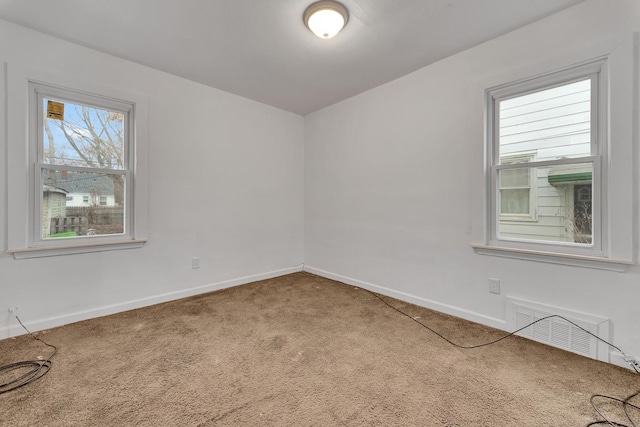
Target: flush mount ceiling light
[326,18]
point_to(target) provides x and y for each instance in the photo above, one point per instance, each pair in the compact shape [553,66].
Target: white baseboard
[52,322]
[423,302]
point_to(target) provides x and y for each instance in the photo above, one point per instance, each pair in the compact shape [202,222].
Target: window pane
[562,205]
[554,123]
[511,178]
[514,201]
[515,191]
[80,135]
[102,215]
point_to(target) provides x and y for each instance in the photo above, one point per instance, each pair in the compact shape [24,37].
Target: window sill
[515,219]
[555,258]
[48,251]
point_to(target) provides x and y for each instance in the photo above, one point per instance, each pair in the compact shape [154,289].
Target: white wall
[225,183]
[394,180]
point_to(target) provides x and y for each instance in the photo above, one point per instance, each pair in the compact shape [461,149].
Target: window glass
[554,123]
[563,201]
[515,191]
[81,135]
[516,199]
[98,218]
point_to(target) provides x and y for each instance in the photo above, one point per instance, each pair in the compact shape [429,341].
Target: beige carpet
[299,350]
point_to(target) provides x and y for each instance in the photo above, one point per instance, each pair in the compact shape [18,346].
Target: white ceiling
[260,49]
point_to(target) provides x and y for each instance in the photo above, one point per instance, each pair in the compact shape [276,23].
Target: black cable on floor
[625,403]
[625,406]
[36,368]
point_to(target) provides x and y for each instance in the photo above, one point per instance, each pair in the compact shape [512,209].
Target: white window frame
[597,71]
[20,173]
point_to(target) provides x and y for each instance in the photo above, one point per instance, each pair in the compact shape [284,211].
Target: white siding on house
[78,200]
[553,123]
[546,125]
[53,206]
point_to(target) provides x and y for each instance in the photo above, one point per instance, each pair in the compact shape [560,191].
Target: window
[517,201]
[81,144]
[546,146]
[40,221]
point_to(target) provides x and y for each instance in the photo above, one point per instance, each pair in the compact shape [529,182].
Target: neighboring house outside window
[545,146]
[86,190]
[54,205]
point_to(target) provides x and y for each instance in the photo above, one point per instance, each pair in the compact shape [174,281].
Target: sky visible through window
[86,136]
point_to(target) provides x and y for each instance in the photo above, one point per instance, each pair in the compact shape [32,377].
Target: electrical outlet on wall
[494,286]
[13,309]
[195,262]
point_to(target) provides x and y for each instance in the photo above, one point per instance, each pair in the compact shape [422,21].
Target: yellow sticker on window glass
[55,110]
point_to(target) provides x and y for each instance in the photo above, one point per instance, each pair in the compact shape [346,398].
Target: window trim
[597,262]
[597,71]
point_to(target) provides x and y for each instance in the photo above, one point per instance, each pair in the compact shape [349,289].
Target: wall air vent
[558,332]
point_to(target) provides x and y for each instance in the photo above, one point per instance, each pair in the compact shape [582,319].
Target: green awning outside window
[569,177]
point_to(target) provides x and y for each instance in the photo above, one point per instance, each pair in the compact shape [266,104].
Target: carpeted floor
[300,350]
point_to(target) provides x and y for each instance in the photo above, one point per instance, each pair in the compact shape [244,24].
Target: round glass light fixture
[326,18]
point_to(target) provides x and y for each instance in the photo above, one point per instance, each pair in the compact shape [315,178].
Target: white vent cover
[556,331]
